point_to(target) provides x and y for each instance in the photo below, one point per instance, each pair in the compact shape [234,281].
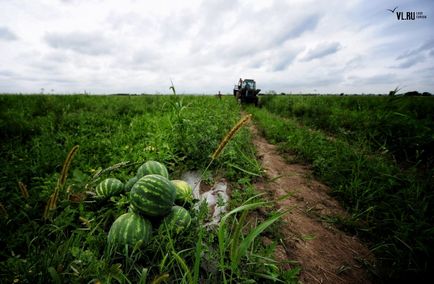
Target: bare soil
[324,253]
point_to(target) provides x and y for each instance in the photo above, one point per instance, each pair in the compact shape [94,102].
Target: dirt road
[325,254]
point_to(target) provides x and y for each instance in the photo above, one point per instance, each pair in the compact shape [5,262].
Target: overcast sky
[350,46]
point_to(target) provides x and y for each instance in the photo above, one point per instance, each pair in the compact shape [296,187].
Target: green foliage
[116,135]
[402,127]
[391,203]
[234,246]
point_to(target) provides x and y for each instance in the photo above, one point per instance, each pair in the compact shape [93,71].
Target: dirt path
[325,254]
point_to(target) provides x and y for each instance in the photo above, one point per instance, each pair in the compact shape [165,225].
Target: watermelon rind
[177,220]
[152,167]
[130,183]
[129,229]
[109,187]
[153,195]
[184,192]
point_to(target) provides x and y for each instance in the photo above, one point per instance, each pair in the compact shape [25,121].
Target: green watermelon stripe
[153,195]
[154,187]
[109,187]
[130,228]
[178,219]
[152,167]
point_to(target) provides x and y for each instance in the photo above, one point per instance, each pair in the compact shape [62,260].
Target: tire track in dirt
[325,254]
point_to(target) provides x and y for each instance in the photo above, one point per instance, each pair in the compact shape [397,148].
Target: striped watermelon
[178,219]
[129,229]
[109,187]
[153,195]
[130,183]
[184,193]
[152,167]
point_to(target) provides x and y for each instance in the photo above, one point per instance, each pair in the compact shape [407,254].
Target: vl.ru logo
[406,16]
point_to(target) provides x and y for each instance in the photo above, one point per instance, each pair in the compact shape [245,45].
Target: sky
[203,47]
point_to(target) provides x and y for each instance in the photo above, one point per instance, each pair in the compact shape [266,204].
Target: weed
[389,202]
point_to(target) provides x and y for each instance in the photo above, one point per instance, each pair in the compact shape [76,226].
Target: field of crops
[115,136]
[376,154]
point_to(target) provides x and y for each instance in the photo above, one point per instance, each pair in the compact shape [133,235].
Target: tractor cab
[246,91]
[249,84]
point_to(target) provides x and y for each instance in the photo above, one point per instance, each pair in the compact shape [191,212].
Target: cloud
[427,46]
[205,46]
[6,73]
[411,61]
[144,58]
[389,78]
[284,59]
[411,57]
[281,27]
[7,34]
[322,50]
[308,23]
[93,43]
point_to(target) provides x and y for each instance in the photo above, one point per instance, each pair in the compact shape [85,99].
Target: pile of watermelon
[151,195]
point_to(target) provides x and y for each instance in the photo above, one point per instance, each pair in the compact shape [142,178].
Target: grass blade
[245,244]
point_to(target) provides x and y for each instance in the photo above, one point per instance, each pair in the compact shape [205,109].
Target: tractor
[246,92]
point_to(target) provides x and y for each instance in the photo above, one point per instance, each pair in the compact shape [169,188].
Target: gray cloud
[204,45]
[142,59]
[322,50]
[427,46]
[411,61]
[308,23]
[389,78]
[7,34]
[6,73]
[240,31]
[285,59]
[416,55]
[80,42]
[280,24]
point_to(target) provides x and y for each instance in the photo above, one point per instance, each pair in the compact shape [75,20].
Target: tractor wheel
[238,96]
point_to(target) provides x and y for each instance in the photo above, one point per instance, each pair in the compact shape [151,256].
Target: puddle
[217,197]
[193,179]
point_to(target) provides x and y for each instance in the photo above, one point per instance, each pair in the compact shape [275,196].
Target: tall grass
[115,135]
[402,127]
[236,244]
[391,208]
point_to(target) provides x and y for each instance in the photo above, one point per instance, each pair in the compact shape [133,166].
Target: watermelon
[129,229]
[109,187]
[153,195]
[152,167]
[131,208]
[184,193]
[178,219]
[130,183]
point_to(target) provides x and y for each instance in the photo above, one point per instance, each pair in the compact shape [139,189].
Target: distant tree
[412,94]
[394,92]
